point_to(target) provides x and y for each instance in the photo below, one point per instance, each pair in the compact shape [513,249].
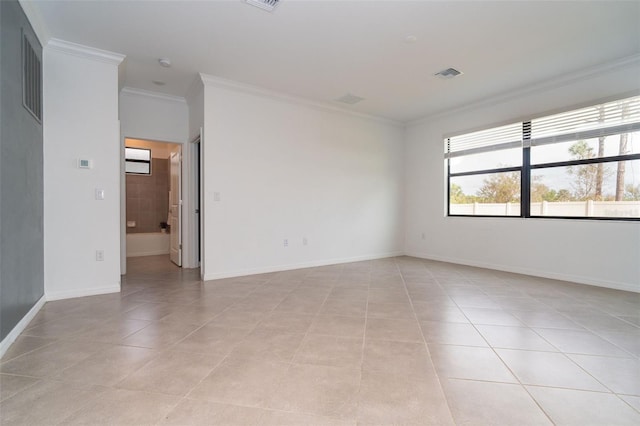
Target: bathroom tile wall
[148,198]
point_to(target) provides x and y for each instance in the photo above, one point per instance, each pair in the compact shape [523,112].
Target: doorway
[153,188]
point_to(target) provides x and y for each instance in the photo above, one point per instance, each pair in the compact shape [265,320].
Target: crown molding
[543,86]
[86,52]
[213,81]
[37,22]
[131,91]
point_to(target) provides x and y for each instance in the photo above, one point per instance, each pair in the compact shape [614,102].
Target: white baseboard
[311,264]
[579,279]
[71,294]
[21,326]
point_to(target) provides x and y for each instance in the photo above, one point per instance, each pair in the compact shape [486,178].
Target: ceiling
[322,50]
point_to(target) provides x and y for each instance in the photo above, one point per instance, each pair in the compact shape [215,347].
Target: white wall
[164,118]
[603,253]
[287,169]
[80,121]
[153,116]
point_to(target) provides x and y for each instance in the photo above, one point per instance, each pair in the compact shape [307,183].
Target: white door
[175,207]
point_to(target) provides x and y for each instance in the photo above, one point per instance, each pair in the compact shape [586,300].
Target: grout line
[424,340]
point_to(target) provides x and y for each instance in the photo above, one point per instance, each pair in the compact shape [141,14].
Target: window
[583,163]
[137,161]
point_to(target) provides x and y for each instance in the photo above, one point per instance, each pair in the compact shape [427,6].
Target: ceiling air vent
[267,5]
[448,73]
[349,99]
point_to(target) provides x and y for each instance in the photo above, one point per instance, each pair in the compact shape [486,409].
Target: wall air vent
[448,73]
[31,79]
[267,5]
[350,99]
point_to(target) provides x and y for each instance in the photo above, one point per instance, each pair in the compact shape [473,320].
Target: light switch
[216,196]
[99,194]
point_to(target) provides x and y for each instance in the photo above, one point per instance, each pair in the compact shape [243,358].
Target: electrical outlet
[286,242]
[99,255]
[304,241]
[424,236]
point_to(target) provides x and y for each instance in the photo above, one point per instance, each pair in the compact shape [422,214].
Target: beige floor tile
[150,311]
[345,307]
[237,316]
[25,344]
[123,407]
[47,314]
[287,322]
[353,292]
[46,402]
[580,342]
[546,319]
[192,412]
[437,312]
[574,407]
[603,322]
[240,381]
[491,317]
[11,385]
[330,351]
[388,295]
[173,373]
[633,401]
[475,301]
[212,340]
[334,325]
[391,398]
[402,357]
[112,331]
[629,342]
[107,367]
[467,362]
[393,329]
[486,403]
[283,418]
[216,303]
[451,333]
[301,304]
[259,303]
[325,305]
[159,335]
[621,375]
[500,336]
[318,390]
[548,369]
[390,310]
[64,327]
[269,345]
[51,359]
[196,315]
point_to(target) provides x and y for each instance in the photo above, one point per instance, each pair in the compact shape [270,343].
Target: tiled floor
[394,341]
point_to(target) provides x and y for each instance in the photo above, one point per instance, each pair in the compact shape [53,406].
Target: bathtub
[147,244]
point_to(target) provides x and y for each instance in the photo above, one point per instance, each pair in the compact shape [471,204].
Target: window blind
[497,138]
[602,120]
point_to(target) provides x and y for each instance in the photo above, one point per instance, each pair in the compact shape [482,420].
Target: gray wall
[21,185]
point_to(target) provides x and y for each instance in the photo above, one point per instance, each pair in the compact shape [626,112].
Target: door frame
[189,255]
